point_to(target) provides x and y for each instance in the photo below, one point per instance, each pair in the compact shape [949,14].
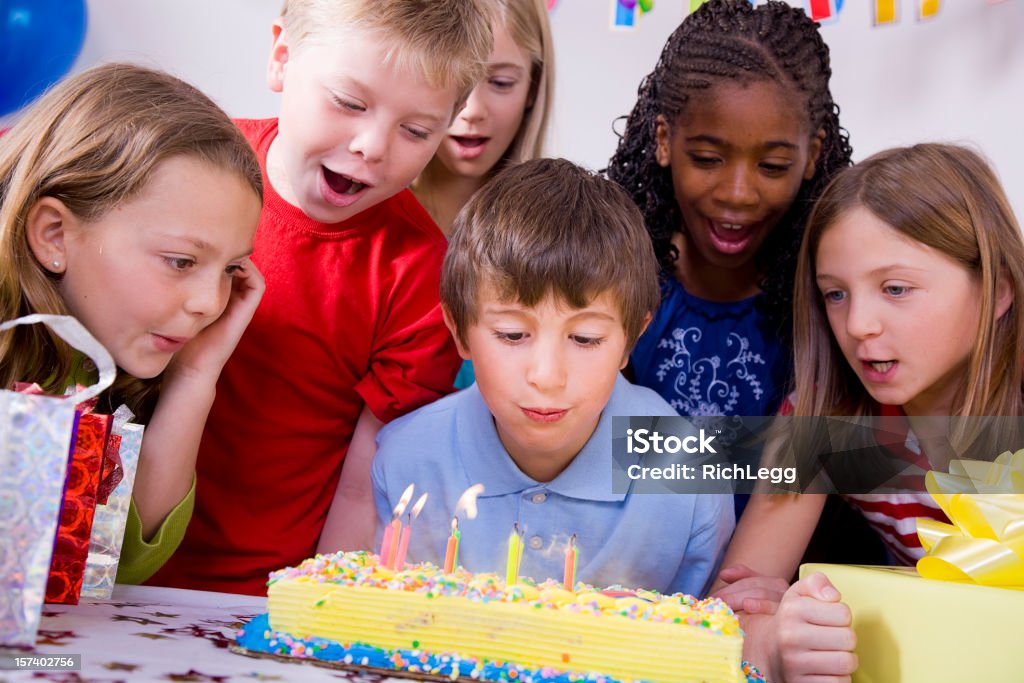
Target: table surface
[148,633]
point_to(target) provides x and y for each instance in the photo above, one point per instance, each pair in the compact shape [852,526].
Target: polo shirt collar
[484,458]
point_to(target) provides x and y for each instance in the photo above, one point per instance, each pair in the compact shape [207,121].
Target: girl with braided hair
[733,137]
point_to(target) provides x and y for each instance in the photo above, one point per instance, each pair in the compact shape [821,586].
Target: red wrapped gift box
[71,546]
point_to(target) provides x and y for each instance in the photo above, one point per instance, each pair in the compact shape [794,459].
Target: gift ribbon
[985,543]
[72,332]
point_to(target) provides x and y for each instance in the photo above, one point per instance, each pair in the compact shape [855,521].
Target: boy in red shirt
[349,334]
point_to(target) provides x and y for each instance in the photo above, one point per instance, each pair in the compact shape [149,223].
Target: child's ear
[45,228]
[813,154]
[450,324]
[278,57]
[662,148]
[1004,296]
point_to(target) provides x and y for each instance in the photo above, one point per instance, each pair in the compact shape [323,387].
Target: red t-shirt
[351,316]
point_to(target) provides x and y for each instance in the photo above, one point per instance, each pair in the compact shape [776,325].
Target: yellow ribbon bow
[985,543]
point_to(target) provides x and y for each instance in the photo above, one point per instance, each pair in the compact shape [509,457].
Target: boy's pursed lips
[544,414]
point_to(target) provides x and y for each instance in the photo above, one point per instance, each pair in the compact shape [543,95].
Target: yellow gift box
[911,629]
[960,615]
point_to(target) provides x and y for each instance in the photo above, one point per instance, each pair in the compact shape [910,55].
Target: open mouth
[469,142]
[731,238]
[731,232]
[342,184]
[879,370]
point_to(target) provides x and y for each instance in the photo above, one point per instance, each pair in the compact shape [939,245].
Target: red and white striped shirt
[893,515]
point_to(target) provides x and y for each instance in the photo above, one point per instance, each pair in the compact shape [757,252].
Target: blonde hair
[527,23]
[448,41]
[948,198]
[548,227]
[93,142]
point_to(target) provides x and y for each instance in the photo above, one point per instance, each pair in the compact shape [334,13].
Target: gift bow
[985,543]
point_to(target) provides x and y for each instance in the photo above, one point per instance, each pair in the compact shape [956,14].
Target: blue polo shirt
[666,542]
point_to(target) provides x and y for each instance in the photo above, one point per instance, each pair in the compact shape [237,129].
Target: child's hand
[813,636]
[748,591]
[206,354]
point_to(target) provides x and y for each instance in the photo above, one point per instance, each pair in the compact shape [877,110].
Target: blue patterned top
[711,358]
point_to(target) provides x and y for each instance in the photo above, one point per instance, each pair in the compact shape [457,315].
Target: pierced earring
[56,264]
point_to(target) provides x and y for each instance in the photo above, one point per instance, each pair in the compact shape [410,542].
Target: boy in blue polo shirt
[548,281]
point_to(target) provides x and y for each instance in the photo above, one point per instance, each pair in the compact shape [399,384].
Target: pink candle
[395,541]
[385,544]
[393,532]
[403,546]
[572,554]
[451,552]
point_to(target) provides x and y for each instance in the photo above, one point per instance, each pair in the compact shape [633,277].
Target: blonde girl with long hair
[505,118]
[129,200]
[906,307]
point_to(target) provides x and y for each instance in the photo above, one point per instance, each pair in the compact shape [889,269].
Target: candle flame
[572,541]
[467,501]
[418,506]
[455,524]
[404,501]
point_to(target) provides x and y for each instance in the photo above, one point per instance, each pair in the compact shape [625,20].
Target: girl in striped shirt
[906,308]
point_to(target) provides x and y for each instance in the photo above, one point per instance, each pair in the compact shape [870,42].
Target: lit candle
[403,543]
[451,553]
[403,546]
[385,544]
[515,554]
[572,556]
[393,532]
[395,542]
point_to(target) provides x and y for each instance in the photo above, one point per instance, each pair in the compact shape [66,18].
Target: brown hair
[547,226]
[448,41]
[948,198]
[93,142]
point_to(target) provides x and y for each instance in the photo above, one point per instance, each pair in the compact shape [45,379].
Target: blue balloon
[39,41]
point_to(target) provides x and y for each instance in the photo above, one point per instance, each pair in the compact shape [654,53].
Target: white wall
[956,77]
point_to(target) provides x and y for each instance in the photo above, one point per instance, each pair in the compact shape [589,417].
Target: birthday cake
[346,609]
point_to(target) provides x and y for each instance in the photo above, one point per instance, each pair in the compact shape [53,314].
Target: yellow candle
[515,554]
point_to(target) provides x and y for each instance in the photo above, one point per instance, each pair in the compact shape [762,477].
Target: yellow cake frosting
[630,635]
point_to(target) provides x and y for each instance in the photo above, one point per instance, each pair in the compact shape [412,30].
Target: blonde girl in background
[129,200]
[505,118]
[504,121]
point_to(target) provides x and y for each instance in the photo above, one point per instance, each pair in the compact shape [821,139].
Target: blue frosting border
[257,636]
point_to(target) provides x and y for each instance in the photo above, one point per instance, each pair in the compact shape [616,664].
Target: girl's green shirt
[141,558]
